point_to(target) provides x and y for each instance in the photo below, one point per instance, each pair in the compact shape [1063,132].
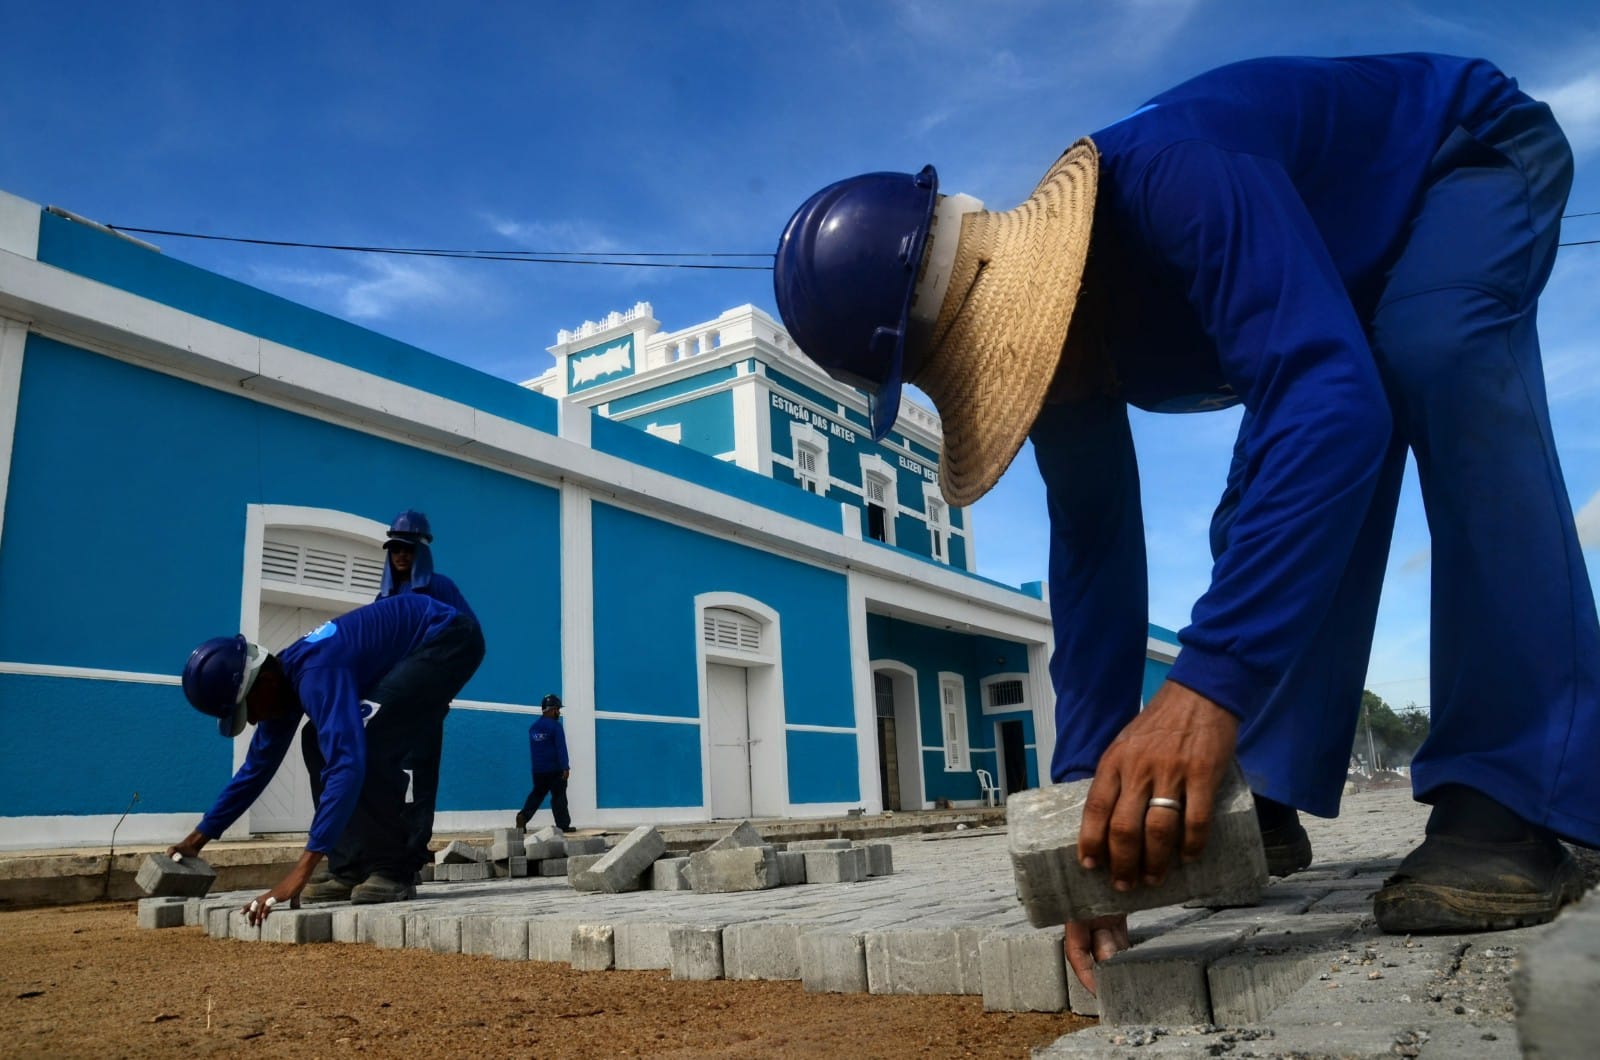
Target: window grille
[1006,693]
[731,631]
[318,561]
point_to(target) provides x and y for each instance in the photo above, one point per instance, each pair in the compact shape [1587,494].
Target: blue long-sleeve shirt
[425,580]
[547,746]
[331,669]
[1244,224]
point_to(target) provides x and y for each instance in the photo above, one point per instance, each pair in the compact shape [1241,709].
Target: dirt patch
[84,981]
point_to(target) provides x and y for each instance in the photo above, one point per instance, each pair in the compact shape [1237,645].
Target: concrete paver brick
[351,925]
[477,934]
[695,951]
[550,939]
[624,865]
[880,859]
[837,865]
[552,867]
[594,844]
[578,873]
[1079,998]
[924,961]
[729,869]
[762,950]
[517,868]
[444,934]
[161,876]
[1164,980]
[1556,985]
[458,852]
[791,867]
[544,849]
[298,926]
[670,874]
[217,919]
[820,844]
[543,835]
[833,962]
[743,834]
[642,945]
[157,913]
[1023,972]
[593,947]
[1248,983]
[505,851]
[387,930]
[510,937]
[1055,888]
[506,835]
[239,927]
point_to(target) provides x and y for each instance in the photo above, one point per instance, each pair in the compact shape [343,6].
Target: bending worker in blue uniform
[1352,250]
[369,682]
[547,753]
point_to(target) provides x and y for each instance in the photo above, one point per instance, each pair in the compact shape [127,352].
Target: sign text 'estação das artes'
[816,419]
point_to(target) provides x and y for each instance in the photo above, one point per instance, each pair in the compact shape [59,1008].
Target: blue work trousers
[1515,664]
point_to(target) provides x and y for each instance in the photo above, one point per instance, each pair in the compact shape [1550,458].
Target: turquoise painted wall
[134,527]
[646,644]
[117,262]
[707,422]
[931,651]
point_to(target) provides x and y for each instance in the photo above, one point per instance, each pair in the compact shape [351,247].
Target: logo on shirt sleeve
[322,632]
[369,709]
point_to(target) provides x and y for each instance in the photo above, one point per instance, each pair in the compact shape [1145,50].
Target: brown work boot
[328,889]
[1481,868]
[380,889]
[522,822]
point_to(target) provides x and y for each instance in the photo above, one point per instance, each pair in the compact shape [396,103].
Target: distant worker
[371,682]
[547,751]
[1353,251]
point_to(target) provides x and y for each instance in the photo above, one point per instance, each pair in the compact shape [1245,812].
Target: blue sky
[699,127]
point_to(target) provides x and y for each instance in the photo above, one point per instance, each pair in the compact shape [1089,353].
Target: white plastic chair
[991,793]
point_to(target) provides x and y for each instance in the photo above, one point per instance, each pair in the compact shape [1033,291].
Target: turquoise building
[749,609]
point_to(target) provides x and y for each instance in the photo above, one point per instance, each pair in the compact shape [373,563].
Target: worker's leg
[558,801]
[1516,646]
[541,788]
[1296,750]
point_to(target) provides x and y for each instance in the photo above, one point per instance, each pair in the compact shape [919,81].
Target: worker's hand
[566,774]
[190,846]
[1092,941]
[1177,748]
[287,890]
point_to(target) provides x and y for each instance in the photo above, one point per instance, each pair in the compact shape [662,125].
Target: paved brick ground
[1305,972]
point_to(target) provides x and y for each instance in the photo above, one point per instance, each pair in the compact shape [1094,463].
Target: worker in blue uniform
[370,682]
[547,754]
[1353,250]
[408,567]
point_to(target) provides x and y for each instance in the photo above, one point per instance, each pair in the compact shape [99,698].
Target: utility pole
[1372,751]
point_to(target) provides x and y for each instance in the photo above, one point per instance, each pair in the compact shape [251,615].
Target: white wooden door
[286,804]
[728,721]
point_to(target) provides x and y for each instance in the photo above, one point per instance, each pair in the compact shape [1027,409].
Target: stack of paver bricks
[740,861]
[512,854]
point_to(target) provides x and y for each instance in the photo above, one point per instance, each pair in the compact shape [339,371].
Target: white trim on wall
[13,342]
[19,226]
[86,673]
[578,641]
[953,722]
[664,719]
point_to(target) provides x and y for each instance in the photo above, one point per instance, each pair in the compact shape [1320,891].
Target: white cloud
[1417,562]
[1589,523]
[1577,107]
[377,287]
[555,236]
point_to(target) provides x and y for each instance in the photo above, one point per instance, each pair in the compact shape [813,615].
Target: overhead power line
[558,257]
[547,257]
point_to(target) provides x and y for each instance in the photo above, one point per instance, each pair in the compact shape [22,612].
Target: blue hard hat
[217,678]
[410,526]
[846,268]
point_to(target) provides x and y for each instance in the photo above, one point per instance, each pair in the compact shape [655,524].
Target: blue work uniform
[424,757]
[1353,250]
[547,754]
[364,681]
